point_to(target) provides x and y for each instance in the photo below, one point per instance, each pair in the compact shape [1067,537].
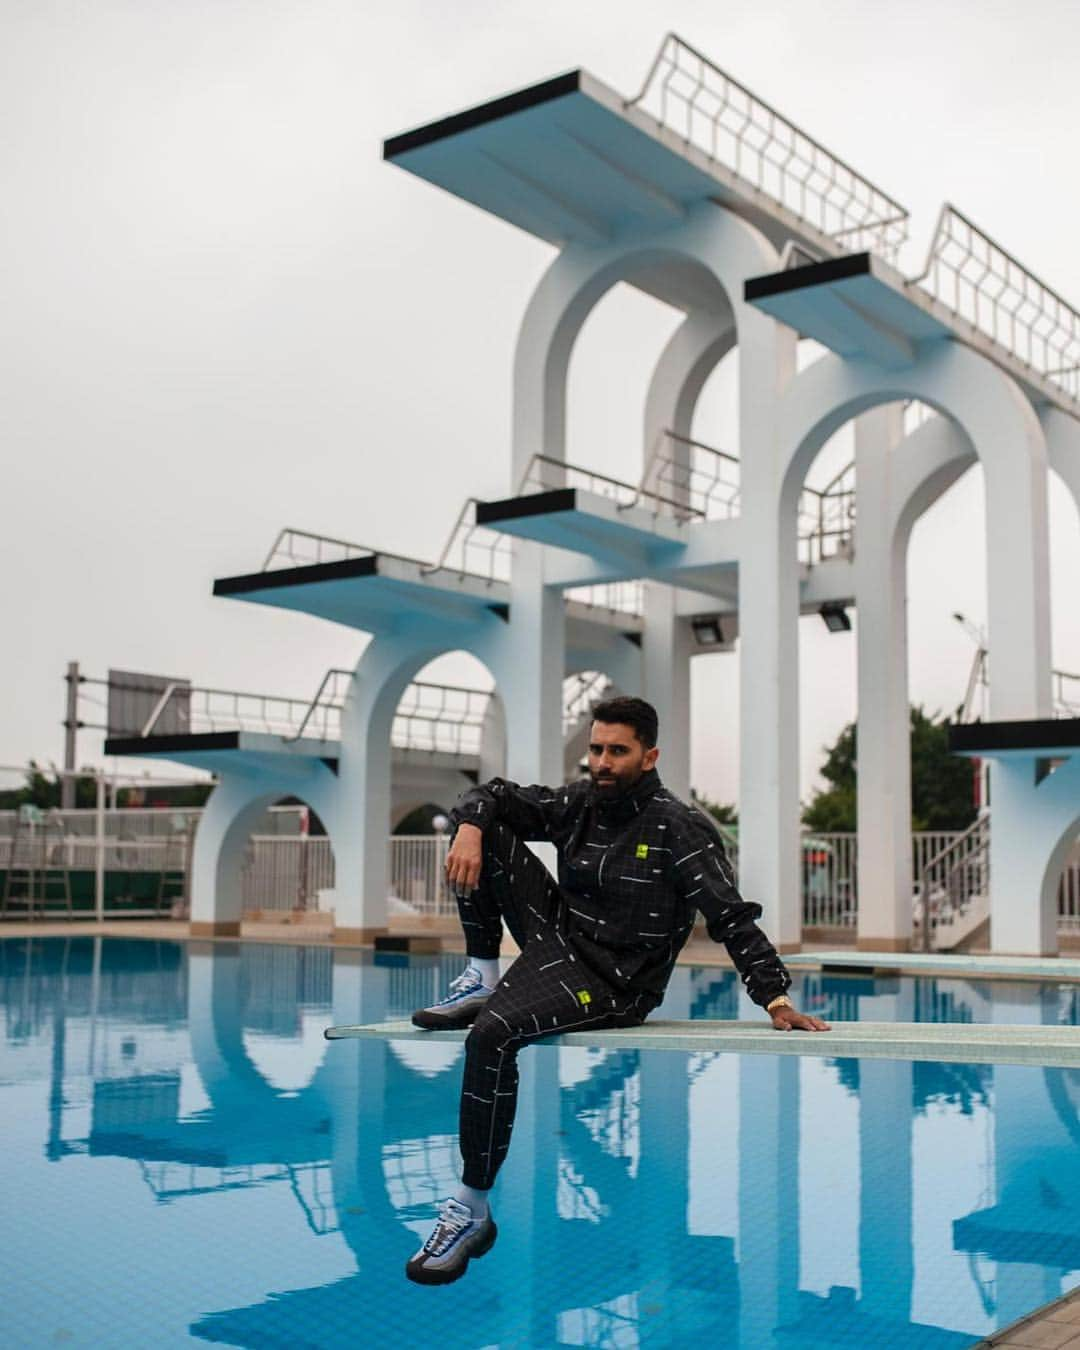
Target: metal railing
[580,692]
[981,282]
[199,711]
[1066,693]
[545,473]
[322,720]
[440,717]
[286,873]
[827,519]
[952,880]
[474,550]
[697,479]
[619,597]
[691,96]
[417,874]
[301,548]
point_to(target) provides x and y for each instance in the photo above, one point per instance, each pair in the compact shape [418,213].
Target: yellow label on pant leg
[642,851]
[584,997]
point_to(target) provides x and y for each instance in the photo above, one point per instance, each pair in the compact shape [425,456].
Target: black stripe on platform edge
[539,504]
[813,274]
[1044,733]
[516,102]
[366,566]
[149,745]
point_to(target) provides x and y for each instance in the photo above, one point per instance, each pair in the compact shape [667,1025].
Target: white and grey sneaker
[456,1238]
[460,1008]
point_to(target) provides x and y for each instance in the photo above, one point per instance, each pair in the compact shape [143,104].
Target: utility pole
[71,726]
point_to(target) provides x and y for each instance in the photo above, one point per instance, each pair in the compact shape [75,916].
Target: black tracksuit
[597,948]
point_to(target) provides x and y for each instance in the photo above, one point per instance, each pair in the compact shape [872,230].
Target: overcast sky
[221,313]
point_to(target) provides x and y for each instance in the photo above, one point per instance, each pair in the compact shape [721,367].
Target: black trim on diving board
[516,102]
[539,504]
[813,274]
[1044,733]
[150,745]
[366,566]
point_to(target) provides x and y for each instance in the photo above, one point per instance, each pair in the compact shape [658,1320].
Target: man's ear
[649,759]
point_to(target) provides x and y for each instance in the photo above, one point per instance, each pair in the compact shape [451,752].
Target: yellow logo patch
[642,851]
[584,997]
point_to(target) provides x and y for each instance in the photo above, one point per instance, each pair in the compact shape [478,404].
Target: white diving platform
[571,159]
[371,592]
[951,1042]
[218,751]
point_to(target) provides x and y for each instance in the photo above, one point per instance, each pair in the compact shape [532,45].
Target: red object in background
[976,765]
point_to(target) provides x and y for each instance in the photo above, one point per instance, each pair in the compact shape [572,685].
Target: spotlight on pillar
[835,616]
[709,631]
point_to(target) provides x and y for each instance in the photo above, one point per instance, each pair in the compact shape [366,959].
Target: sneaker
[456,1238]
[461,1006]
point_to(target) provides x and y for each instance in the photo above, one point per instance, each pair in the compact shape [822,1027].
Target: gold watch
[782,1002]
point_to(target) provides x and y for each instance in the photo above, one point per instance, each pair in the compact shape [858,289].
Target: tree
[942,784]
[724,813]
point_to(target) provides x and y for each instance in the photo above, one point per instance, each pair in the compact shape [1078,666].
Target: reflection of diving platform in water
[958,1043]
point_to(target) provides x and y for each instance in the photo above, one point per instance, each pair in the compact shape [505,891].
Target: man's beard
[612,788]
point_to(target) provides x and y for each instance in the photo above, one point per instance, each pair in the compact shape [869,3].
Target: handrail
[736,128]
[330,675]
[289,532]
[467,530]
[980,281]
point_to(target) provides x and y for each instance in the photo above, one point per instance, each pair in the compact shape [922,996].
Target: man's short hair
[630,712]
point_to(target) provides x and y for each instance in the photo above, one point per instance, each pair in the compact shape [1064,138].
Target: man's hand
[463,860]
[787,1019]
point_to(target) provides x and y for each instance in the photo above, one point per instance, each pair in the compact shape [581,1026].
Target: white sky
[221,313]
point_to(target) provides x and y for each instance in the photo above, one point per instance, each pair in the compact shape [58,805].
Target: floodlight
[835,616]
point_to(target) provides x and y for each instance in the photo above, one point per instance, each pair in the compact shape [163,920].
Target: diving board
[952,1042]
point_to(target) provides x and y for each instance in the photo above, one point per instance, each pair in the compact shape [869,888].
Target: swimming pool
[185,1158]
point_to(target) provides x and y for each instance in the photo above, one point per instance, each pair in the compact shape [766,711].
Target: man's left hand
[787,1019]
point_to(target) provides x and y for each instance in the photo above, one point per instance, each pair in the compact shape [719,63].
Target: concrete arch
[231,812]
[700,265]
[1002,427]
[382,675]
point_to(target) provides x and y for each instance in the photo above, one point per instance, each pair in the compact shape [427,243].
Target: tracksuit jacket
[633,871]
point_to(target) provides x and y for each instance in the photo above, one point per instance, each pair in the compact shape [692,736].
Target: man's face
[617,759]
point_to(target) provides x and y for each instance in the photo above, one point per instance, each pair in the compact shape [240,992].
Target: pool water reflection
[186,1158]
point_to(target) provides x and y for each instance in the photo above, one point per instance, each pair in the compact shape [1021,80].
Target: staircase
[952,895]
[580,693]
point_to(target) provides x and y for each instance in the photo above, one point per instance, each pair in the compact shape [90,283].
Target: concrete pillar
[884,759]
[768,643]
[532,658]
[666,644]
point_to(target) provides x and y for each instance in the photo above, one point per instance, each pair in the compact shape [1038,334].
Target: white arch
[232,810]
[1005,433]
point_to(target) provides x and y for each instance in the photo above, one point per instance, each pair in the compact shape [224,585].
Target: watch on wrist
[781,1002]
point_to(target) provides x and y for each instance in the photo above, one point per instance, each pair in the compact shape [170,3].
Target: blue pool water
[186,1159]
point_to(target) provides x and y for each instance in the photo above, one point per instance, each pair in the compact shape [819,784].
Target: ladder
[37,874]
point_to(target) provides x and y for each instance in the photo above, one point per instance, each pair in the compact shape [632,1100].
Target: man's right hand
[463,860]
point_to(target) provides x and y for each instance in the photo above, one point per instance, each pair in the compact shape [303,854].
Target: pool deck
[1055,1326]
[983,965]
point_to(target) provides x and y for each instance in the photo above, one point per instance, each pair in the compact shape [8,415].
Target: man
[597,949]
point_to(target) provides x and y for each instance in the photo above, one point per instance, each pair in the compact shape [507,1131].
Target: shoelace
[454,1218]
[468,980]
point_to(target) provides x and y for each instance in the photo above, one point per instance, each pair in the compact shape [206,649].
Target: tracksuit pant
[547,990]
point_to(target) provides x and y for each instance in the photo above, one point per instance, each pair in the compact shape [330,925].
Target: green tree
[942,784]
[724,813]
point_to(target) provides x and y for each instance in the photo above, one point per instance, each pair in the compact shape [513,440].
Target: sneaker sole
[427,1020]
[429,1275]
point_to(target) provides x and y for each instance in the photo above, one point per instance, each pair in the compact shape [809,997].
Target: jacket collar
[628,806]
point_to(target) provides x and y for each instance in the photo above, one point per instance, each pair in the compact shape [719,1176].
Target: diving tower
[699,193]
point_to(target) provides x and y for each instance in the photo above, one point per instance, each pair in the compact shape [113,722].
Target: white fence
[285,869]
